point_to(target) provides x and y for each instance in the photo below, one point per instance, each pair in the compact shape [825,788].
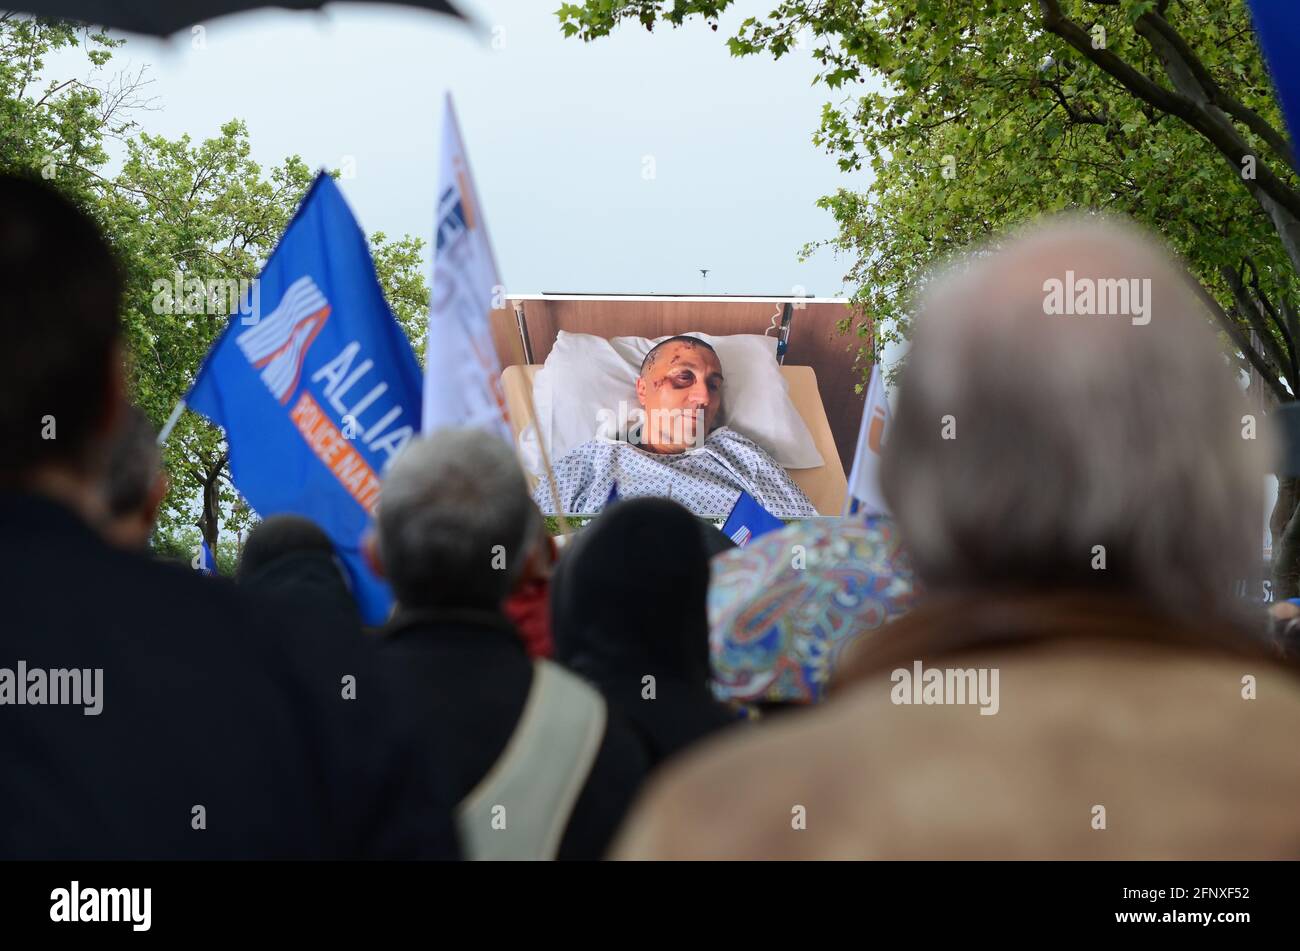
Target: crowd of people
[1075,503]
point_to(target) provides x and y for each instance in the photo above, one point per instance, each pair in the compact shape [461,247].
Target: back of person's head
[135,484]
[1035,448]
[60,327]
[279,536]
[631,592]
[291,558]
[455,521]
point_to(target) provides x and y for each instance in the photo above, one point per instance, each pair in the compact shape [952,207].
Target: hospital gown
[706,480]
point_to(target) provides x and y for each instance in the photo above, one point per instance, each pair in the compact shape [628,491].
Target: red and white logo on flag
[277,345]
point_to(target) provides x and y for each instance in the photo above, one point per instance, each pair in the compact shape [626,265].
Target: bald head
[1066,406]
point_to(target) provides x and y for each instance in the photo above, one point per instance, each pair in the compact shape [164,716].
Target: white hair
[455,521]
[1030,449]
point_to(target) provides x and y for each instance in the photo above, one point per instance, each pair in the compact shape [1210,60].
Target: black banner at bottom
[238,900]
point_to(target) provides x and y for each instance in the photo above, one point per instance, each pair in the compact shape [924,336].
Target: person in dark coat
[538,765]
[147,712]
[290,558]
[630,616]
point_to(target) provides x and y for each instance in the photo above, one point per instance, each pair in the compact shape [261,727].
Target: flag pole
[846,510]
[565,527]
[172,420]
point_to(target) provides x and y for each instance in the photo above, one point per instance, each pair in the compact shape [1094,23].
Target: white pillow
[585,374]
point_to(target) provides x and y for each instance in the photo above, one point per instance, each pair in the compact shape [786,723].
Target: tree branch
[1251,311]
[1201,115]
[1135,81]
[1289,316]
[1075,116]
[1242,343]
[1293,373]
[1219,97]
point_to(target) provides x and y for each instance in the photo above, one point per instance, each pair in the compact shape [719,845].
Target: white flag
[864,483]
[462,376]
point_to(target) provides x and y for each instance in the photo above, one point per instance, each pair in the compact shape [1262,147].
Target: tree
[399,265]
[191,223]
[58,127]
[982,115]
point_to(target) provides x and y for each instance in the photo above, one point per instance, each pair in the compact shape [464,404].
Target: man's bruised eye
[683,380]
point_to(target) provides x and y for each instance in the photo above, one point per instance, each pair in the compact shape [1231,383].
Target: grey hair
[449,501]
[1071,432]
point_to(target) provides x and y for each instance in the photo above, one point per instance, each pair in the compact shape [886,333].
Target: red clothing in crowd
[529,609]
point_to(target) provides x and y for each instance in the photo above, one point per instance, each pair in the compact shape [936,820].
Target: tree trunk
[210,515]
[1284,523]
[209,519]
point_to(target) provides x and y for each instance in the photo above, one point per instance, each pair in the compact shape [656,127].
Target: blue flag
[748,520]
[316,385]
[1277,23]
[204,563]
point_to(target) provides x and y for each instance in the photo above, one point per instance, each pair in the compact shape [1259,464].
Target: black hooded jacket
[628,602]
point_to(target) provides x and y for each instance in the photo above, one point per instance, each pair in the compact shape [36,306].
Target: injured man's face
[680,389]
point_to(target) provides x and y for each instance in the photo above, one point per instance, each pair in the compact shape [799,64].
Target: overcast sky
[561,135]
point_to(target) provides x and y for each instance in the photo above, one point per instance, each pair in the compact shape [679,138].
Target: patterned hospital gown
[707,480]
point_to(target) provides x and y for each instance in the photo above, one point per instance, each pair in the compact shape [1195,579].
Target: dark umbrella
[165,17]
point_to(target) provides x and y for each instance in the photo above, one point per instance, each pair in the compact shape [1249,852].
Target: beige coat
[1158,735]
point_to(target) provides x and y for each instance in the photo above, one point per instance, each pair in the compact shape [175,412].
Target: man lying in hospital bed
[671,447]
